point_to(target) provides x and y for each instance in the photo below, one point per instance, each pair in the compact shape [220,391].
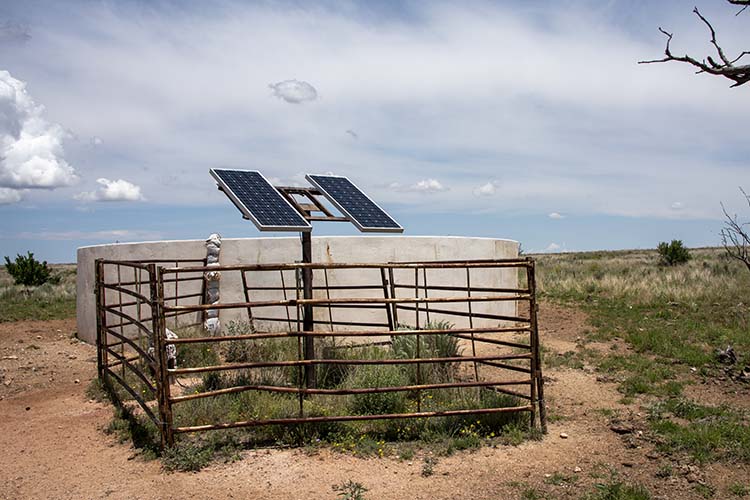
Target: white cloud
[8,196]
[97,141]
[294,91]
[488,189]
[423,186]
[119,190]
[677,205]
[108,235]
[427,186]
[552,247]
[555,215]
[31,152]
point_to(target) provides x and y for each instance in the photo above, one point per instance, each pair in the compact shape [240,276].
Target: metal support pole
[156,283]
[307,311]
[536,368]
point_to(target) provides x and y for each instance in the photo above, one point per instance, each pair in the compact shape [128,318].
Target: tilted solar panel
[352,202]
[259,201]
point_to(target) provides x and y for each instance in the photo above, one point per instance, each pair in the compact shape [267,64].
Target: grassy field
[673,319]
[49,301]
[664,326]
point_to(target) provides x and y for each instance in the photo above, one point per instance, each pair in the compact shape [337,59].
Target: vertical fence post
[388,313]
[156,282]
[100,319]
[537,384]
[308,323]
[418,354]
[471,323]
[394,305]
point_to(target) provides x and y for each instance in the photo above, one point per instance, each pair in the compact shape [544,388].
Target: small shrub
[28,271]
[673,253]
[428,466]
[739,490]
[350,490]
[188,457]
[617,490]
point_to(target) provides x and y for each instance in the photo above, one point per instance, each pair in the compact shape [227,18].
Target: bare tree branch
[725,67]
[735,236]
[744,3]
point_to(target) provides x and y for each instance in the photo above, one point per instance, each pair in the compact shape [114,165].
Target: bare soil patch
[54,445]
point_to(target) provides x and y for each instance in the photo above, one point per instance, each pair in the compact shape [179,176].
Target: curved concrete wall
[349,249]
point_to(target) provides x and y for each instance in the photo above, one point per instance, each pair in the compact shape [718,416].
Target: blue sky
[522,120]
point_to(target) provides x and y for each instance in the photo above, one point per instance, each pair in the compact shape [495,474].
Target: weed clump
[349,490]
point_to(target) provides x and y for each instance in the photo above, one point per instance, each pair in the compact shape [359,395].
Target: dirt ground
[53,444]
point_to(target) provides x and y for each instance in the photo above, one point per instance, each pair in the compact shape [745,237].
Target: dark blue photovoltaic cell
[348,198]
[257,199]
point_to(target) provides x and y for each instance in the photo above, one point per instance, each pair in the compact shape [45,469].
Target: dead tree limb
[745,4]
[723,67]
[735,236]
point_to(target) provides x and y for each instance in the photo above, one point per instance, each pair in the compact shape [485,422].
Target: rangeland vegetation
[54,299]
[658,333]
[671,327]
[396,437]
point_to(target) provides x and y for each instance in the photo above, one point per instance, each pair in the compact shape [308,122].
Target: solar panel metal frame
[246,210]
[332,199]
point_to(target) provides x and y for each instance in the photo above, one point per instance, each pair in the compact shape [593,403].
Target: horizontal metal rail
[493,341]
[179,279]
[344,333]
[144,355]
[351,418]
[138,373]
[127,291]
[431,288]
[323,322]
[138,323]
[352,300]
[379,286]
[284,267]
[465,314]
[343,392]
[306,362]
[125,263]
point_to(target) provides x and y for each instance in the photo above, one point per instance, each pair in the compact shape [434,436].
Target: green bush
[379,402]
[673,253]
[28,271]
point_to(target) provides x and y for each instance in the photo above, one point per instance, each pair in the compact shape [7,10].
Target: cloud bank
[424,86]
[31,152]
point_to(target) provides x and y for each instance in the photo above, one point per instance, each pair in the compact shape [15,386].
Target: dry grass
[48,301]
[636,275]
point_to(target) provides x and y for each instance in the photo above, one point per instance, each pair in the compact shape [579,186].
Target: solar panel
[259,201]
[352,202]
